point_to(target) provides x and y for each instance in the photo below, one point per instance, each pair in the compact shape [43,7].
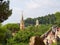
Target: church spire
[22,23]
[22,15]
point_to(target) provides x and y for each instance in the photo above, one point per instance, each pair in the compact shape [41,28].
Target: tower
[22,26]
[37,22]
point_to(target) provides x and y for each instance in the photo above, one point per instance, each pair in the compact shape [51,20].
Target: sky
[31,9]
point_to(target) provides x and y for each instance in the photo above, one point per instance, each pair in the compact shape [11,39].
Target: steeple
[37,22]
[22,26]
[22,16]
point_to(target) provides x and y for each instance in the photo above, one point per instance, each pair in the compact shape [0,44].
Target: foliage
[58,42]
[12,27]
[5,12]
[4,35]
[57,14]
[29,21]
[54,43]
[24,35]
[48,19]
[18,43]
[0,24]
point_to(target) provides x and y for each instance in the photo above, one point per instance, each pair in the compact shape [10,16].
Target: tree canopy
[5,11]
[48,19]
[12,27]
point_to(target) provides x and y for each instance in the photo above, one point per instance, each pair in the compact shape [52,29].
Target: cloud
[32,8]
[38,3]
[32,5]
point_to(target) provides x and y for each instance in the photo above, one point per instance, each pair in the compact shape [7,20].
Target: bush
[24,35]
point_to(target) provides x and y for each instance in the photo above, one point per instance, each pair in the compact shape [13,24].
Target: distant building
[22,26]
[37,22]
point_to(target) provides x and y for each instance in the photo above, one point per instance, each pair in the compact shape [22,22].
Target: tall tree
[5,12]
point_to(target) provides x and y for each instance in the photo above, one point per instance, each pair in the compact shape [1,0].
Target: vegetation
[48,19]
[22,36]
[54,44]
[12,27]
[5,12]
[4,35]
[58,43]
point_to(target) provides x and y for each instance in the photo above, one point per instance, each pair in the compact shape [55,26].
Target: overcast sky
[31,8]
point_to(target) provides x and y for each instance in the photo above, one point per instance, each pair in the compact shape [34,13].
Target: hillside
[48,19]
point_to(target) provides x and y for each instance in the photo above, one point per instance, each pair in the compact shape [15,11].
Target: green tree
[23,36]
[48,19]
[5,12]
[57,15]
[2,34]
[12,27]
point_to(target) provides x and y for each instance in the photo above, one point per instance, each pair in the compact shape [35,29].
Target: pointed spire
[22,15]
[22,22]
